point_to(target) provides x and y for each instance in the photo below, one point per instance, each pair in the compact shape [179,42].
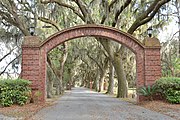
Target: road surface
[84,104]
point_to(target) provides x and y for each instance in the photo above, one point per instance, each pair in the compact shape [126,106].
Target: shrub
[36,96]
[148,91]
[170,88]
[14,92]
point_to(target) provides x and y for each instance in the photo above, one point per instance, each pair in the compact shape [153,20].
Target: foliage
[37,93]
[170,59]
[14,92]
[148,91]
[170,88]
[173,96]
[168,82]
[36,96]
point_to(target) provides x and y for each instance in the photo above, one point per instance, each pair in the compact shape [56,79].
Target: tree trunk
[58,74]
[82,82]
[122,82]
[101,81]
[116,59]
[102,75]
[96,83]
[111,79]
[54,71]
[70,82]
[49,83]
[60,87]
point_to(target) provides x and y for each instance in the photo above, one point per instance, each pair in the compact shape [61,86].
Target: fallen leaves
[172,110]
[26,111]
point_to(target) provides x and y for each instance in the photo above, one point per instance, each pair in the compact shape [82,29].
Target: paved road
[83,104]
[2,117]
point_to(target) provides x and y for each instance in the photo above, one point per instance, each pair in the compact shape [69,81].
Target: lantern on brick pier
[149,31]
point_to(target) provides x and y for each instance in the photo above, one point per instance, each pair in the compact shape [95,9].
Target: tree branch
[52,67]
[120,11]
[7,54]
[174,35]
[11,16]
[64,5]
[147,15]
[9,64]
[109,8]
[84,11]
[100,67]
[86,63]
[7,17]
[46,20]
[82,8]
[111,4]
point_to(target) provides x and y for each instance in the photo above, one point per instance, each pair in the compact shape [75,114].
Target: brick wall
[30,65]
[152,65]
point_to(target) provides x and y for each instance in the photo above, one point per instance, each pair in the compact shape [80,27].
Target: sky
[168,31]
[172,28]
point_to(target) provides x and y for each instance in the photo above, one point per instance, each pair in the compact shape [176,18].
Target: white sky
[168,31]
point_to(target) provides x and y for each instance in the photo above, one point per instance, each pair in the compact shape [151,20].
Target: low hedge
[14,92]
[169,88]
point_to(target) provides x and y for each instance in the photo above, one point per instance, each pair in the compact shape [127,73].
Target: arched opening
[35,54]
[88,64]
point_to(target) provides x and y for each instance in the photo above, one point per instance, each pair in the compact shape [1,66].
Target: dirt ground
[172,110]
[26,111]
[23,112]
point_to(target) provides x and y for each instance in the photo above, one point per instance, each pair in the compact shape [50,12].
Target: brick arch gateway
[34,54]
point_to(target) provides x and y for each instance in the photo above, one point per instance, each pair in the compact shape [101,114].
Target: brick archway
[34,54]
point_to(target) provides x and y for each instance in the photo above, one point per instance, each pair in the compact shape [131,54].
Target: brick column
[140,74]
[43,68]
[31,69]
[152,60]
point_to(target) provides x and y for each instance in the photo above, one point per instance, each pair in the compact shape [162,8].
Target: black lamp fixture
[149,31]
[32,30]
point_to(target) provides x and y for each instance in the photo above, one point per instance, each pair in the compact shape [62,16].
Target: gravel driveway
[83,104]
